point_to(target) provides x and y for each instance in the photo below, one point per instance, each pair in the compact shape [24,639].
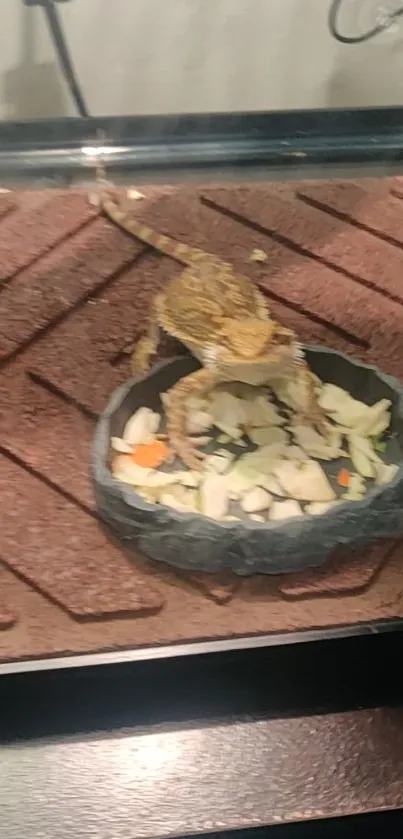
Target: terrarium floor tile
[75,294]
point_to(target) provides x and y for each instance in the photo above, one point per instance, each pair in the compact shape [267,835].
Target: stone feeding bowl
[196,543]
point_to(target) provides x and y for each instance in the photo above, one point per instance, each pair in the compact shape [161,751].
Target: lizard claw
[191,456]
[140,359]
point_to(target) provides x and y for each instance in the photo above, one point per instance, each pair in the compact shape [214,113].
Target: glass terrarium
[241,223]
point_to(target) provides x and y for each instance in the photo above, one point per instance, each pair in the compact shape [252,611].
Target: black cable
[57,34]
[358,39]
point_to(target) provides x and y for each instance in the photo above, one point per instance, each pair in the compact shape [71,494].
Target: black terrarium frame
[235,146]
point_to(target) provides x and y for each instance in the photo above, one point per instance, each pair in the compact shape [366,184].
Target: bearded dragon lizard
[223,319]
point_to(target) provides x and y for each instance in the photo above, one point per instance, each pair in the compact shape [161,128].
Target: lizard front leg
[176,415]
[313,412]
[147,346]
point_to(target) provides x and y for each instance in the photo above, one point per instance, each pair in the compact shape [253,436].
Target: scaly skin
[147,346]
[196,384]
[223,320]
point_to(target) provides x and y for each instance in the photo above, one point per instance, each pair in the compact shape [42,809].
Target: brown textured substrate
[346,573]
[74,292]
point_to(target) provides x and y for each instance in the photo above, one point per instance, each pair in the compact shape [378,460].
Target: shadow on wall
[352,84]
[367,74]
[32,90]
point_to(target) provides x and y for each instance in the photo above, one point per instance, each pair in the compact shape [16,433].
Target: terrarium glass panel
[200,366]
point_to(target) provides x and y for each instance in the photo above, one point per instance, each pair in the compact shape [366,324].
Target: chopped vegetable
[198,421]
[224,453]
[255,500]
[284,510]
[260,412]
[363,456]
[201,440]
[258,255]
[141,426]
[351,413]
[232,431]
[361,462]
[158,480]
[240,479]
[315,445]
[223,439]
[364,445]
[214,498]
[378,445]
[356,488]
[134,195]
[304,480]
[125,470]
[376,414]
[386,472]
[295,453]
[381,426]
[151,495]
[343,478]
[263,459]
[121,446]
[267,436]
[150,455]
[188,479]
[218,463]
[277,466]
[227,411]
[294,392]
[316,508]
[273,486]
[183,503]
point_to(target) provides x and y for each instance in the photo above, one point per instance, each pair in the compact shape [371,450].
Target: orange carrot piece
[343,478]
[150,455]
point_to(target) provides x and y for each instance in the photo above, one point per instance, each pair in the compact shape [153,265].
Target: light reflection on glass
[153,756]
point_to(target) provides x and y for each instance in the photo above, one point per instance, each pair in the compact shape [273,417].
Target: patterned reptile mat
[74,291]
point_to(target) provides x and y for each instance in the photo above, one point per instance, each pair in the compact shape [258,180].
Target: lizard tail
[177,250]
[164,244]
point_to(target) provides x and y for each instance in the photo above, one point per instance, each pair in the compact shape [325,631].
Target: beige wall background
[167,56]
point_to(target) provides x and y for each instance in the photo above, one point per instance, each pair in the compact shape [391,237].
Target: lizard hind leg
[176,414]
[146,347]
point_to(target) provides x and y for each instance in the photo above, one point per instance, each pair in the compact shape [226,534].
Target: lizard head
[246,337]
[249,338]
[252,350]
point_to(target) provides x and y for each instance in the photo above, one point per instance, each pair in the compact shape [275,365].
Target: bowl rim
[101,443]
